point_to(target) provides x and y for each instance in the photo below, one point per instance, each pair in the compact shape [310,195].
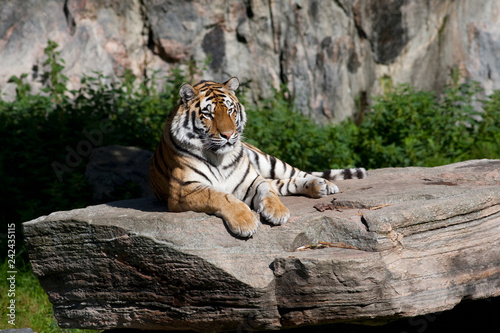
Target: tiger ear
[232,84]
[187,93]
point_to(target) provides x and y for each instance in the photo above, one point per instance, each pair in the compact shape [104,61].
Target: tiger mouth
[220,147]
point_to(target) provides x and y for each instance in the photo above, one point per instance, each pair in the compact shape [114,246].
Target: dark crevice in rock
[249,10]
[389,33]
[339,3]
[147,29]
[214,46]
[152,42]
[70,21]
[240,37]
[363,221]
[283,66]
[353,63]
[273,30]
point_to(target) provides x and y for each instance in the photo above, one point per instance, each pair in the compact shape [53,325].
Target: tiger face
[213,119]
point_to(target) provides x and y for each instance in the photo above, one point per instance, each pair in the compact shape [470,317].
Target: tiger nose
[226,135]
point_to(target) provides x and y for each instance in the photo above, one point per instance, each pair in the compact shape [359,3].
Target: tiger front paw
[273,211]
[241,221]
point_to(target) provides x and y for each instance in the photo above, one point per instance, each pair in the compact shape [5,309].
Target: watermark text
[11,273]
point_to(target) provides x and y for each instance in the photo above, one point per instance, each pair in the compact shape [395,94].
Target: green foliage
[37,132]
[404,127]
[487,141]
[278,129]
[55,81]
[407,127]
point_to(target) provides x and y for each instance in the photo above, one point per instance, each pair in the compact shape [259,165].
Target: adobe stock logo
[83,148]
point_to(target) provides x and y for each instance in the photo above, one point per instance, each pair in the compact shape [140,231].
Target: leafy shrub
[406,127]
[278,129]
[38,130]
[487,140]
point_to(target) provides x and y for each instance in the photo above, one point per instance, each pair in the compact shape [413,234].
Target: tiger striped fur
[202,165]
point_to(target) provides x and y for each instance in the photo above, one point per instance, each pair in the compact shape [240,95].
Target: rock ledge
[401,243]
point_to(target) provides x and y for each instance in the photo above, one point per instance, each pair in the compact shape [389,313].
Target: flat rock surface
[401,243]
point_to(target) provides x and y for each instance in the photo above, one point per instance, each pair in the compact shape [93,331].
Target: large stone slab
[401,243]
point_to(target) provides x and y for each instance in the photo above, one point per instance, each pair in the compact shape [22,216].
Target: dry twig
[324,245]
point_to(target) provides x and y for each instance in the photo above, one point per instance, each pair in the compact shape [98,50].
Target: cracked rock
[411,244]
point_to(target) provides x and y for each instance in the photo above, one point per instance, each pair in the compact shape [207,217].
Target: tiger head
[211,117]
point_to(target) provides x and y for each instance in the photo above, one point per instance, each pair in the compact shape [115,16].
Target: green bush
[406,127]
[38,130]
[487,142]
[278,129]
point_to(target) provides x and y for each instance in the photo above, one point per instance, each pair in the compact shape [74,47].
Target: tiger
[201,164]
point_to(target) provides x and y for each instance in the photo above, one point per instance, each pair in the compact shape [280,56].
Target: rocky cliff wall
[328,53]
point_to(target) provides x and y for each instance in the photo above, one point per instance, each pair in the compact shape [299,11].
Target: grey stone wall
[328,53]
